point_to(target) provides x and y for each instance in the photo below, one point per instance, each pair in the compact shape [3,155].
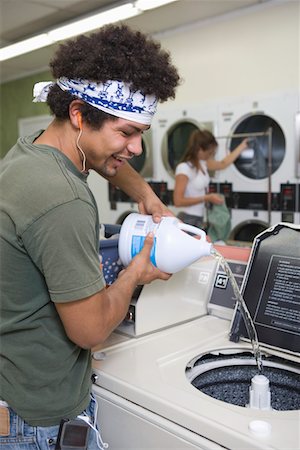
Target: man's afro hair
[116,52]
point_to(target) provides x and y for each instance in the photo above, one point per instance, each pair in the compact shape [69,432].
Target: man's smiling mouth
[122,158]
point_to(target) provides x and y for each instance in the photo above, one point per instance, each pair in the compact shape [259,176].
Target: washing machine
[260,182]
[182,385]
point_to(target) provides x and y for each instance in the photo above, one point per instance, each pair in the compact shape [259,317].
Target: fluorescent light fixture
[73,29]
[93,22]
[28,45]
[112,15]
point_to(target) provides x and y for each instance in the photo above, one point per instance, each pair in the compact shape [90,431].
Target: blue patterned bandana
[113,97]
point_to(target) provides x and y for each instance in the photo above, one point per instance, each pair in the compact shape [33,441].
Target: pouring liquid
[243,309]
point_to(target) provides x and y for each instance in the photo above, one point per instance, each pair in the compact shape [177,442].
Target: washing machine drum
[254,163]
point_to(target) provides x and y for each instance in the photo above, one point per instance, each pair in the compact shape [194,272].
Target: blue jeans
[25,437]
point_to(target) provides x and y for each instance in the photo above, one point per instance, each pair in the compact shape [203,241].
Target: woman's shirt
[196,185]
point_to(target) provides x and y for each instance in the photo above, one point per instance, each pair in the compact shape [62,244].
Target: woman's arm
[213,164]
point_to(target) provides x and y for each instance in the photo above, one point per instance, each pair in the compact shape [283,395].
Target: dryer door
[175,142]
[143,164]
[247,230]
[265,154]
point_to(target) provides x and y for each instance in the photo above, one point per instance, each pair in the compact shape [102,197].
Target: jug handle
[192,229]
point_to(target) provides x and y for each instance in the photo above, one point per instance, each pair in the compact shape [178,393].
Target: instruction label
[279,303]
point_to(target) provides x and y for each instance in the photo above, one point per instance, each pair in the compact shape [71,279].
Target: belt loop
[3,403]
[19,426]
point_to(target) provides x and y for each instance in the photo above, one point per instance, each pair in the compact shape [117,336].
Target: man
[55,307]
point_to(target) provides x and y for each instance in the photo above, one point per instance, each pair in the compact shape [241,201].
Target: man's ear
[75,114]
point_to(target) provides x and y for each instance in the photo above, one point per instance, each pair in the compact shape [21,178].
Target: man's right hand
[89,321]
[142,265]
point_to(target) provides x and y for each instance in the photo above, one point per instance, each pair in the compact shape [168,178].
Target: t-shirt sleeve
[183,169]
[63,244]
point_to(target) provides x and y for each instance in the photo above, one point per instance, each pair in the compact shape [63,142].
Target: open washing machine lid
[271,289]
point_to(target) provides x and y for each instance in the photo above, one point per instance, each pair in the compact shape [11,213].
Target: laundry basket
[109,255]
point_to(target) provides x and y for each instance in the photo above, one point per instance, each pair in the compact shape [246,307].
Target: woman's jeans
[25,437]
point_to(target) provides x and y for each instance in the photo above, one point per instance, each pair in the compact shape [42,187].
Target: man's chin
[107,171]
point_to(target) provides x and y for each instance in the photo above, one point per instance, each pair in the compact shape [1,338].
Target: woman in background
[192,177]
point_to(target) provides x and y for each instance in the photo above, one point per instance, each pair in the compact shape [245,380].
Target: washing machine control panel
[222,301]
[285,200]
[288,197]
[160,188]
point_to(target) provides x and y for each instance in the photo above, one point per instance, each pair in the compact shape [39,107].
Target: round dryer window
[175,143]
[138,162]
[143,163]
[265,153]
[247,231]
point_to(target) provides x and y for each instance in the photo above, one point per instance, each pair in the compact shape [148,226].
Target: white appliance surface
[150,372]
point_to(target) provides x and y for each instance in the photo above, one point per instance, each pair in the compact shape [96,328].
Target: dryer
[171,130]
[258,183]
[150,388]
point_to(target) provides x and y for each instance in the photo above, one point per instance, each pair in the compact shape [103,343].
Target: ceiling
[21,19]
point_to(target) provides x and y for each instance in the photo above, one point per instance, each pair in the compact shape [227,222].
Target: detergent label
[137,243]
[139,225]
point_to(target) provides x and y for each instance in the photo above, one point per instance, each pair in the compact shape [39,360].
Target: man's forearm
[131,182]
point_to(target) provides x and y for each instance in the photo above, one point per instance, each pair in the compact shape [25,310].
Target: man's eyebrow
[137,128]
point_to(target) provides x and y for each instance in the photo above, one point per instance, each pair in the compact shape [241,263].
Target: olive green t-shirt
[49,253]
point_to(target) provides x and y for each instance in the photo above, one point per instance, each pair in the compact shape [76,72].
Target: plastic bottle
[173,248]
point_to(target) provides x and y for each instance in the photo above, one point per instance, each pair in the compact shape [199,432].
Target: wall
[16,103]
[238,55]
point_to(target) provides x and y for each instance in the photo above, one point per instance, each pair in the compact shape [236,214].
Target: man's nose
[135,145]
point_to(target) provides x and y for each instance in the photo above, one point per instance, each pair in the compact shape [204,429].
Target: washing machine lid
[271,289]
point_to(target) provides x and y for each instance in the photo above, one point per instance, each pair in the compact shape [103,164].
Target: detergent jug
[173,248]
